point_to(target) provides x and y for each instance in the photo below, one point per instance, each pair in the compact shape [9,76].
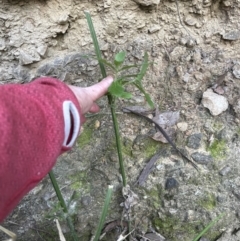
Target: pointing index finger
[99,89]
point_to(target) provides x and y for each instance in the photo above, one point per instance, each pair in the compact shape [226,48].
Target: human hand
[88,95]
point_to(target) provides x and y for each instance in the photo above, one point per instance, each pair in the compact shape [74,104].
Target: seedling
[121,80]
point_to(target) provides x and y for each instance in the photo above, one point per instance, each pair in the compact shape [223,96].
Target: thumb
[99,89]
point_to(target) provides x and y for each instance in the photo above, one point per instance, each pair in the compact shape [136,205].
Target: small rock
[221,199]
[147,2]
[182,126]
[232,35]
[236,71]
[236,107]
[201,158]
[27,58]
[190,215]
[194,141]
[190,20]
[219,90]
[97,124]
[42,50]
[154,28]
[214,102]
[171,183]
[86,200]
[2,44]
[225,170]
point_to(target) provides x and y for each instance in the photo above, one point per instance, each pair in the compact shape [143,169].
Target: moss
[150,147]
[155,197]
[208,202]
[85,137]
[218,149]
[171,227]
[79,182]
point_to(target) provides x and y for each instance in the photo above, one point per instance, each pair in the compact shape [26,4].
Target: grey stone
[214,102]
[86,200]
[201,158]
[42,49]
[232,35]
[225,170]
[236,71]
[171,183]
[2,44]
[194,141]
[147,2]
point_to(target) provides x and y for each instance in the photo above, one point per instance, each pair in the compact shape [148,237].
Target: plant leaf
[116,89]
[119,58]
[143,69]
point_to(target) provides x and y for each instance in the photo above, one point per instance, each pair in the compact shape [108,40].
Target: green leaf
[117,90]
[119,58]
[143,69]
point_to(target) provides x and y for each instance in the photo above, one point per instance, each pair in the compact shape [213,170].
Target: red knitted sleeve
[38,121]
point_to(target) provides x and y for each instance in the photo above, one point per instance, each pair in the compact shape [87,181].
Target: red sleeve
[36,120]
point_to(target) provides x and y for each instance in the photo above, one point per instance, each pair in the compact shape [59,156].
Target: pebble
[236,71]
[225,170]
[154,28]
[182,126]
[232,35]
[171,183]
[26,58]
[86,200]
[214,102]
[201,158]
[194,141]
[147,2]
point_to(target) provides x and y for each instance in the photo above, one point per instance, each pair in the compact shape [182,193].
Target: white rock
[214,102]
[182,126]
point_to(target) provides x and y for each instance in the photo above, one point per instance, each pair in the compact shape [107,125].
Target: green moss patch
[218,149]
[85,137]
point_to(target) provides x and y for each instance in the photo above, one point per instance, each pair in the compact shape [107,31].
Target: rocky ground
[194,50]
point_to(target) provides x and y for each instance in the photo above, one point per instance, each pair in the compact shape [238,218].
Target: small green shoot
[121,80]
[208,227]
[104,213]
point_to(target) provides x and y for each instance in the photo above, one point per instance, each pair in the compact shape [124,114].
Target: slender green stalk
[111,99]
[62,203]
[95,43]
[208,227]
[104,213]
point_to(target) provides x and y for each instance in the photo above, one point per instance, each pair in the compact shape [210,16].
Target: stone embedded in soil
[236,107]
[147,2]
[232,35]
[225,170]
[201,158]
[182,126]
[194,141]
[171,183]
[214,102]
[236,71]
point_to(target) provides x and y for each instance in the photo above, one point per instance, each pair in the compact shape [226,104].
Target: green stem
[63,204]
[104,213]
[111,101]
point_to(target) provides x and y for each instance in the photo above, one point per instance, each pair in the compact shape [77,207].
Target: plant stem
[104,213]
[111,101]
[63,204]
